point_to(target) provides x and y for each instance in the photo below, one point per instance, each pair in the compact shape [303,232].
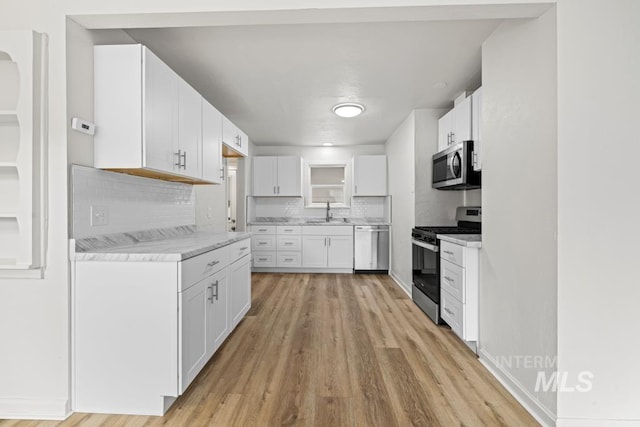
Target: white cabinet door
[239,289]
[211,145]
[190,131]
[265,176]
[476,128]
[340,254]
[234,138]
[462,121]
[289,176]
[194,306]
[445,129]
[218,312]
[160,118]
[314,251]
[370,176]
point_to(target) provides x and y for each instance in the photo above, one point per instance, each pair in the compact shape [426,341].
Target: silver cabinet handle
[278,189]
[453,137]
[356,189]
[288,243]
[216,293]
[212,263]
[262,243]
[274,189]
[448,311]
[210,297]
[325,241]
[262,259]
[448,279]
[184,159]
[448,252]
[329,241]
[262,229]
[244,248]
[222,173]
[288,259]
[179,154]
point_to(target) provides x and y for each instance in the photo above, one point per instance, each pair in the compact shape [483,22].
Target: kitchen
[400,150]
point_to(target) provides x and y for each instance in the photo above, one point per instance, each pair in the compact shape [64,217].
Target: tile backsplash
[293,207]
[130,203]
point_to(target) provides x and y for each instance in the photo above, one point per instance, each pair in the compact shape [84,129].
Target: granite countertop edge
[282,221]
[468,240]
[161,245]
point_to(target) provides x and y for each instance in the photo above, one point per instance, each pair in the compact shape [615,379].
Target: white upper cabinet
[234,138]
[370,175]
[476,126]
[211,143]
[159,121]
[190,130]
[455,126]
[277,176]
[149,121]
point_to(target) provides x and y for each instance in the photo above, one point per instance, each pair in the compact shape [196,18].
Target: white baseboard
[34,409]
[521,394]
[406,288]
[590,422]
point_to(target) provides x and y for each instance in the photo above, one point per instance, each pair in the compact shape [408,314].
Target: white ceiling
[279,82]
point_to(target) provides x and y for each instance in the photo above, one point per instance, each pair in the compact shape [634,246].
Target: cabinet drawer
[452,279]
[452,253]
[239,249]
[327,230]
[289,243]
[289,259]
[197,268]
[451,312]
[289,229]
[264,259]
[263,229]
[263,243]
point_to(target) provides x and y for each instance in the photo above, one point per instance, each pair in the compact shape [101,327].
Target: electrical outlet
[99,215]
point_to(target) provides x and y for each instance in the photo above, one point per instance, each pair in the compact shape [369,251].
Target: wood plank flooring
[333,350]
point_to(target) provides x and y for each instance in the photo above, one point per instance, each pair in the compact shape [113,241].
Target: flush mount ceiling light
[327,144]
[348,109]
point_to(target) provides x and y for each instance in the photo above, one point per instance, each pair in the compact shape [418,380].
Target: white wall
[432,207]
[400,156]
[518,308]
[598,203]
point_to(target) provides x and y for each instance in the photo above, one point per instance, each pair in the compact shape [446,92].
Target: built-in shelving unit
[22,152]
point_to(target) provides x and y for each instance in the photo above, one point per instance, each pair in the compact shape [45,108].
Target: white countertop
[468,240]
[317,221]
[175,244]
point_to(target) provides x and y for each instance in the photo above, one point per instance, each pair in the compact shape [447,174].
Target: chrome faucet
[328,214]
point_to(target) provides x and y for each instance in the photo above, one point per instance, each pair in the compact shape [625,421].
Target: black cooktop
[446,230]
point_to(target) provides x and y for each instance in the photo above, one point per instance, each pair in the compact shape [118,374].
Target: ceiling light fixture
[327,144]
[348,109]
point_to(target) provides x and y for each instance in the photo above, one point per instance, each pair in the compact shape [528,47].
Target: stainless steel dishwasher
[371,249]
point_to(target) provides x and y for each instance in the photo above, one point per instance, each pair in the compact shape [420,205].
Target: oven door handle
[432,248]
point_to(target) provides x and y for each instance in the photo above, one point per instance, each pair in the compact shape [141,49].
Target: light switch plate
[99,215]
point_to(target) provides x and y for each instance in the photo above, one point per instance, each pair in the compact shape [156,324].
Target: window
[327,184]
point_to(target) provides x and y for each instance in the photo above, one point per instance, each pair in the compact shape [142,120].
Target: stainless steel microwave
[453,168]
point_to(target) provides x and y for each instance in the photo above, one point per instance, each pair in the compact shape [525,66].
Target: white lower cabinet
[459,281]
[132,353]
[327,247]
[240,293]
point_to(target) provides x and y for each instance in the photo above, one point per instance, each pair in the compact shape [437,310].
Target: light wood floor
[333,350]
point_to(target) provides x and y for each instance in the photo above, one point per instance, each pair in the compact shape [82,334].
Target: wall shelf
[23,88]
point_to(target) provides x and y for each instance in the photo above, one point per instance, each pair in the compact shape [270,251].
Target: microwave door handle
[432,248]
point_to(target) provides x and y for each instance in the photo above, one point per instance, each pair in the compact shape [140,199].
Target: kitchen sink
[332,221]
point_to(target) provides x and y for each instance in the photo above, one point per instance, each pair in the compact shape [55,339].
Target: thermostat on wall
[83,126]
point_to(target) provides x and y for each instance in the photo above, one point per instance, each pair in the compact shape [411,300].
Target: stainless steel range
[426,258]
